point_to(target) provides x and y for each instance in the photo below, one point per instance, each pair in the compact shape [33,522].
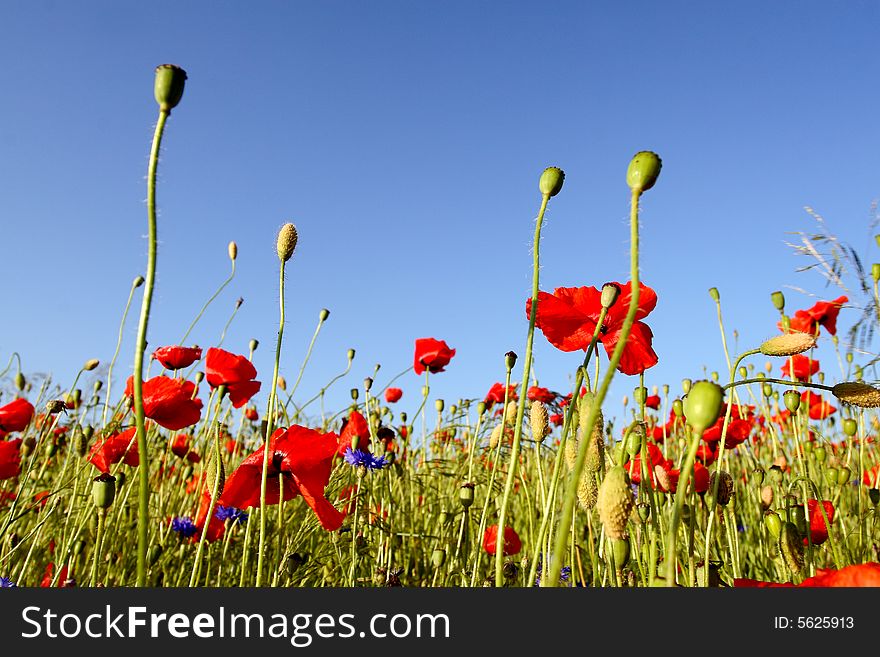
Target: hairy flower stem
[626,327]
[270,420]
[141,346]
[521,407]
[302,368]
[208,303]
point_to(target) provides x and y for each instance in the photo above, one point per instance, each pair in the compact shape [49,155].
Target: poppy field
[198,470]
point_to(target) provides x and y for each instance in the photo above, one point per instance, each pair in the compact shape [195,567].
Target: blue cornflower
[564,574]
[225,513]
[6,583]
[360,458]
[184,526]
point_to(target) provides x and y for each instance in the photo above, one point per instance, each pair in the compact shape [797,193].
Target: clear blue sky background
[405,140]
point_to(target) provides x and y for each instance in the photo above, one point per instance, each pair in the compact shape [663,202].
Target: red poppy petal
[564,325]
[638,355]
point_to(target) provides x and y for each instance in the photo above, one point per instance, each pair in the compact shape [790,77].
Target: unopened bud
[551,181]
[643,170]
[286,243]
[233,250]
[324,314]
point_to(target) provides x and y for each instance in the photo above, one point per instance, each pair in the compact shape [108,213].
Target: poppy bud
[686,385]
[368,383]
[350,355]
[253,344]
[713,292]
[677,407]
[282,383]
[874,495]
[97,385]
[286,243]
[438,557]
[539,420]
[233,251]
[766,389]
[620,552]
[551,181]
[439,405]
[354,394]
[875,271]
[20,381]
[643,170]
[791,547]
[324,314]
[778,300]
[850,426]
[788,344]
[466,495]
[767,496]
[198,376]
[403,417]
[103,490]
[857,394]
[91,364]
[481,408]
[819,453]
[843,475]
[792,400]
[703,404]
[615,502]
[168,89]
[634,438]
[215,476]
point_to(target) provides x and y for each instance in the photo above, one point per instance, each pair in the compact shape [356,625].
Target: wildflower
[557,419]
[819,408]
[431,355]
[169,402]
[303,459]
[177,357]
[184,526]
[818,528]
[118,447]
[360,458]
[355,426]
[6,583]
[652,401]
[568,320]
[232,514]
[803,366]
[15,416]
[542,395]
[857,575]
[823,313]
[496,394]
[393,395]
[237,373]
[251,414]
[49,573]
[10,458]
[512,543]
[564,573]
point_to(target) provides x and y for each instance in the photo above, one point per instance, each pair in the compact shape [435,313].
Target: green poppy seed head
[170,81]
[551,181]
[643,171]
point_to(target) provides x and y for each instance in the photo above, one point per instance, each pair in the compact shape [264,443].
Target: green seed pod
[610,292]
[725,486]
[808,447]
[644,510]
[509,360]
[758,476]
[104,490]
[678,408]
[766,389]
[850,426]
[686,385]
[640,394]
[643,170]
[91,364]
[170,81]
[799,518]
[831,476]
[713,293]
[703,405]
[791,547]
[444,517]
[20,381]
[819,453]
[439,405]
[615,502]
[466,495]
[154,553]
[635,436]
[843,475]
[438,557]
[792,400]
[551,181]
[874,495]
[620,552]
[776,473]
[79,547]
[778,300]
[215,475]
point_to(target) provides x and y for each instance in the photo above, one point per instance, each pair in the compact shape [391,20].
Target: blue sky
[405,141]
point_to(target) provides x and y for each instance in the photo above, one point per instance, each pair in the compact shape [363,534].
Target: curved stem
[140,347]
[208,303]
[134,286]
[270,420]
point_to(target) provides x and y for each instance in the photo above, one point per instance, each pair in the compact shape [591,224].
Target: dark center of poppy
[277,460]
[603,329]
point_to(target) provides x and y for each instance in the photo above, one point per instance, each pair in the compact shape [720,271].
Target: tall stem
[140,347]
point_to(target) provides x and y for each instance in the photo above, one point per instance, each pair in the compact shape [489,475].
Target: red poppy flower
[169,402]
[652,401]
[15,416]
[512,544]
[542,395]
[871,478]
[119,447]
[821,410]
[49,573]
[818,529]
[634,467]
[707,453]
[251,414]
[237,373]
[180,445]
[557,419]
[432,355]
[177,357]
[303,458]
[496,394]
[356,425]
[823,313]
[804,367]
[10,458]
[393,395]
[738,431]
[568,320]
[216,528]
[857,575]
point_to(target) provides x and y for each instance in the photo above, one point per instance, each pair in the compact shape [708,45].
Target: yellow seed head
[510,412]
[539,420]
[233,250]
[495,438]
[788,344]
[615,502]
[596,448]
[287,238]
[857,394]
[91,364]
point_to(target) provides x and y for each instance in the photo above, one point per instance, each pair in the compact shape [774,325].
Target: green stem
[141,346]
[134,285]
